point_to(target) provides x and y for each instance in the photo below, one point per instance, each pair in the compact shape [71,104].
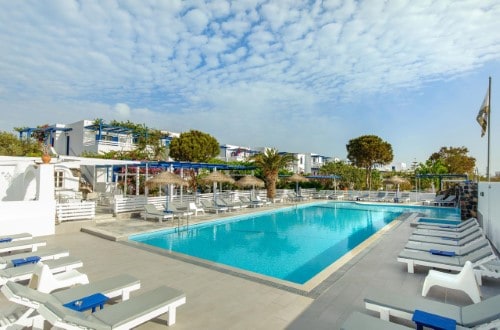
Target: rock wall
[468,199]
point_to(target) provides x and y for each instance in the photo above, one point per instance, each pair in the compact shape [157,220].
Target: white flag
[482,116]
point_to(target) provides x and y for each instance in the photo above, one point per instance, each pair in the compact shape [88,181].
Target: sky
[299,76]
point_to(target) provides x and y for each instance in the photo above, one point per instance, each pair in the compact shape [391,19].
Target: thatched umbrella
[166,178]
[250,181]
[215,177]
[397,180]
[297,178]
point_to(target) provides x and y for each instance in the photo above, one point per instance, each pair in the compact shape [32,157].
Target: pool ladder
[180,222]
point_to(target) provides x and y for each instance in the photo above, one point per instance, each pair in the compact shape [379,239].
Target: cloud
[187,64]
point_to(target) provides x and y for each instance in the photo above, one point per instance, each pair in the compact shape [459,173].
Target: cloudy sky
[300,76]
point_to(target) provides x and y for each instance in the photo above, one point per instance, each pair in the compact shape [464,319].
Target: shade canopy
[217,176]
[395,180]
[166,178]
[250,181]
[297,178]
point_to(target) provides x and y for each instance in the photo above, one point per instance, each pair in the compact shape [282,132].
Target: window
[58,179]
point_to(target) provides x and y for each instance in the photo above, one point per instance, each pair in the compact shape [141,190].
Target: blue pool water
[292,244]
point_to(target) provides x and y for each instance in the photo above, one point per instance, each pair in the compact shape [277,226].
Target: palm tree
[271,162]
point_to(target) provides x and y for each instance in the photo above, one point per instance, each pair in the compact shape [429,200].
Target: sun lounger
[485,313]
[150,211]
[459,227]
[422,258]
[43,254]
[179,211]
[489,269]
[20,245]
[29,299]
[448,201]
[124,315]
[447,240]
[210,206]
[447,234]
[360,321]
[24,272]
[43,280]
[15,237]
[456,250]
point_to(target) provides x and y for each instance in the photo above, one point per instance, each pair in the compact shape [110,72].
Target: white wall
[489,210]
[25,215]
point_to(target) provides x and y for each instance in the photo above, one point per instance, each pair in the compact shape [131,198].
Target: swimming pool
[292,244]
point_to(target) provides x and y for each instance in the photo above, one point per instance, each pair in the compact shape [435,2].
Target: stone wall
[468,199]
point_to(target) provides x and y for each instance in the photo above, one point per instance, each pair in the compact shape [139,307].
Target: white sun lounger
[485,313]
[447,240]
[447,234]
[422,258]
[360,321]
[489,269]
[457,250]
[30,299]
[150,211]
[459,227]
[24,272]
[124,315]
[21,245]
[43,254]
[15,237]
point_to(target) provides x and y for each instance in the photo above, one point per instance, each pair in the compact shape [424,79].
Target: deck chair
[150,211]
[459,227]
[15,237]
[24,272]
[464,281]
[124,315]
[447,234]
[485,313]
[448,201]
[447,240]
[179,211]
[29,300]
[489,269]
[358,321]
[210,206]
[43,280]
[21,245]
[43,254]
[454,250]
[194,208]
[421,258]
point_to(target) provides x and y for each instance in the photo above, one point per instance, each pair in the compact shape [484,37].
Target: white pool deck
[218,299]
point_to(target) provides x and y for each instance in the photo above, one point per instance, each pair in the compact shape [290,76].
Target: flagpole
[489,127]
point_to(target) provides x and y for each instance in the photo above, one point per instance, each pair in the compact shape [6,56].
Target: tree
[455,160]
[271,162]
[367,151]
[351,177]
[10,145]
[194,146]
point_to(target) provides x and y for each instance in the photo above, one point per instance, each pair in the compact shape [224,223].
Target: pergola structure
[465,177]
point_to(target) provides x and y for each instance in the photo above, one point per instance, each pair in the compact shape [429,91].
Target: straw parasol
[397,180]
[166,178]
[297,178]
[250,181]
[215,177]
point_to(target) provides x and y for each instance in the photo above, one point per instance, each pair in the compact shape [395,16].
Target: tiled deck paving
[219,300]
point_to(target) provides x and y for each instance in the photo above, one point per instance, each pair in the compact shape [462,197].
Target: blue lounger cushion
[442,253]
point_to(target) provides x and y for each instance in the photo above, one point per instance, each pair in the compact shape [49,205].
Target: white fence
[75,211]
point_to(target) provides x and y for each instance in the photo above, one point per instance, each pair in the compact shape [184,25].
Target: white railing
[75,211]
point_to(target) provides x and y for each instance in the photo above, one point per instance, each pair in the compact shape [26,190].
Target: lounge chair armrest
[434,321]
